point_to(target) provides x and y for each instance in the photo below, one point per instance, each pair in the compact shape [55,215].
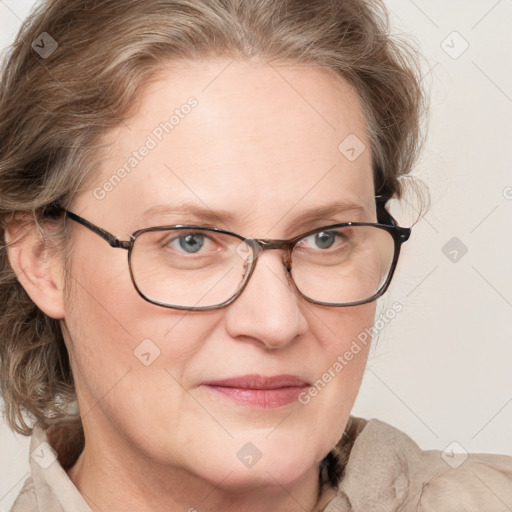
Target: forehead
[261,141]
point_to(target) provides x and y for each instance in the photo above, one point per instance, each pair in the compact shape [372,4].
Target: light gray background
[441,369]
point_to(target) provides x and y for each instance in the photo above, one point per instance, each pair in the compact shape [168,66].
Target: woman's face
[259,145]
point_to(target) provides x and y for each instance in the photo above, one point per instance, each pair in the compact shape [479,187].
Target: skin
[262,144]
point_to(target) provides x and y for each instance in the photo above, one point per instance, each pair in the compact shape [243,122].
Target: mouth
[258,391]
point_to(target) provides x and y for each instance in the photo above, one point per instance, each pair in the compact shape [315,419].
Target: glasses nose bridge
[265,244]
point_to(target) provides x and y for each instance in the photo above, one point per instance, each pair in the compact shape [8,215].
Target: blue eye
[321,240]
[325,239]
[191,242]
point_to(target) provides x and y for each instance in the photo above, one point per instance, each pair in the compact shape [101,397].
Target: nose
[268,310]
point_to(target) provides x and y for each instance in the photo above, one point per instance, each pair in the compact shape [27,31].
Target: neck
[119,480]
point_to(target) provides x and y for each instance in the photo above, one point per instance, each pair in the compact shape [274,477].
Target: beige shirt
[386,472]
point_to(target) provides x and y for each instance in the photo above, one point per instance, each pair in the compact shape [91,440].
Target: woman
[239,155]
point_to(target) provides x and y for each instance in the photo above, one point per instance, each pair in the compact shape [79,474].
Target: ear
[39,268]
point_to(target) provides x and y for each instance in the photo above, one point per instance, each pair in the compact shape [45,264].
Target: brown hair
[56,108]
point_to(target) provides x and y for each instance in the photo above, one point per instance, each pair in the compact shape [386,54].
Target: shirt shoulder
[26,500]
[386,471]
[48,487]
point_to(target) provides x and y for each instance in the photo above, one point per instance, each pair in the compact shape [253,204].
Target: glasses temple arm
[111,239]
[383,216]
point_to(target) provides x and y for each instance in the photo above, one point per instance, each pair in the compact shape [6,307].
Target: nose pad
[243,250]
[246,253]
[249,250]
[287,260]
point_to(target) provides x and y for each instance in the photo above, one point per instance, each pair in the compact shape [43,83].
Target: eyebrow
[219,218]
[201,213]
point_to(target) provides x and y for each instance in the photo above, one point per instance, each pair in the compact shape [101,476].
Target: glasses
[198,268]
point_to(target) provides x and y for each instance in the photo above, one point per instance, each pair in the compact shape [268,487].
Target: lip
[259,391]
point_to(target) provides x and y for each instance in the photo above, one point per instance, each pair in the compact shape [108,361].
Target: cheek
[343,330]
[344,341]
[129,360]
[124,347]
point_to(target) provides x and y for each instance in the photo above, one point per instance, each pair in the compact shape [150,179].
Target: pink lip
[259,391]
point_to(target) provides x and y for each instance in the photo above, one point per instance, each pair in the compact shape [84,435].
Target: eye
[321,240]
[324,239]
[190,242]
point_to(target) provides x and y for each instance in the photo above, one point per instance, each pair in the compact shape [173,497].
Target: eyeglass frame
[385,222]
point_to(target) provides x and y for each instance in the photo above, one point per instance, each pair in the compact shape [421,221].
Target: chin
[282,457]
[274,471]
